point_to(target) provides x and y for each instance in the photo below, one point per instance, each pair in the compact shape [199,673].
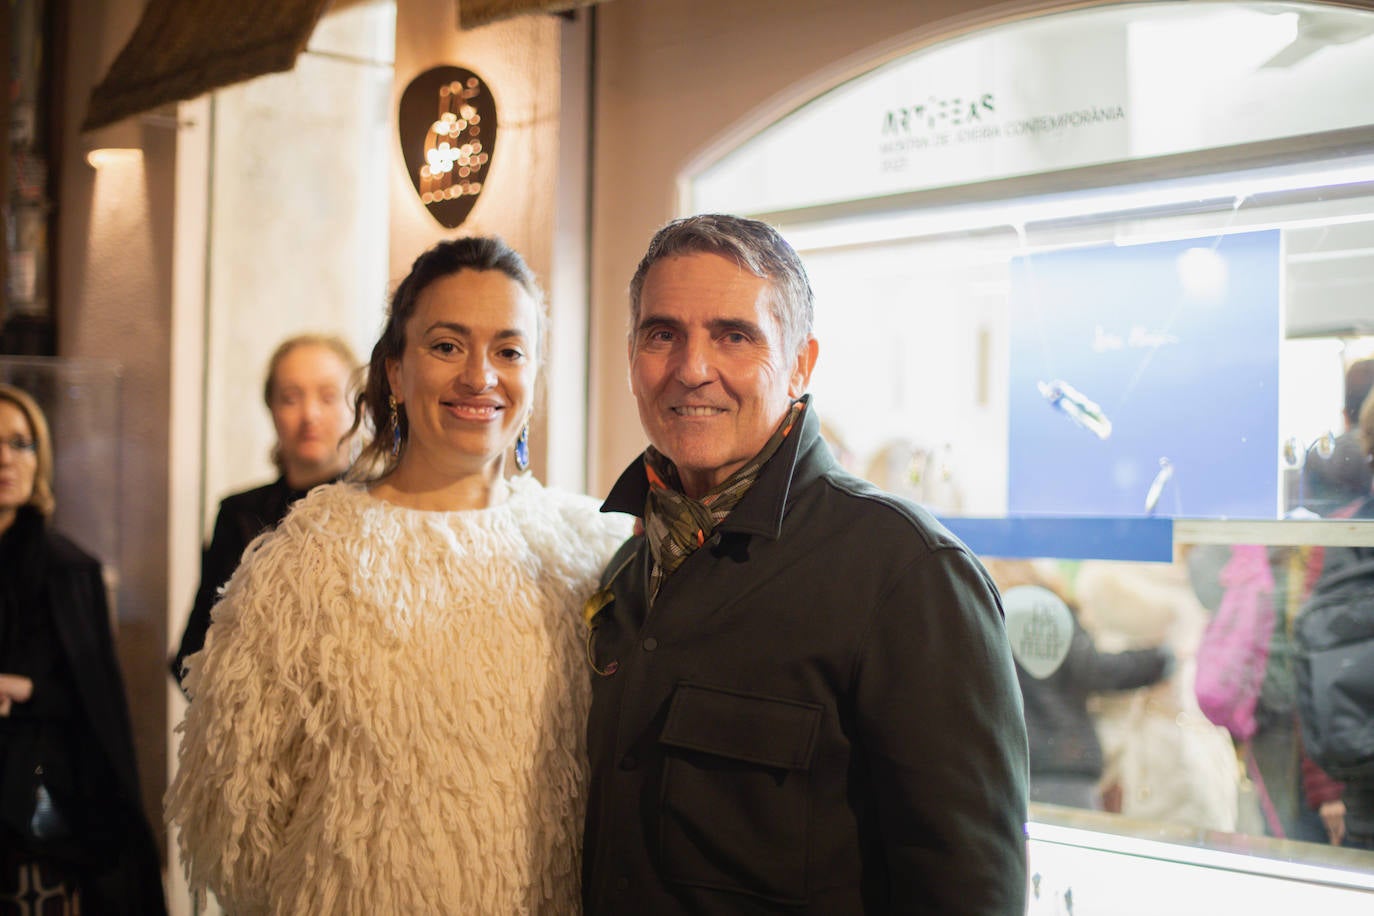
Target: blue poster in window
[1144,379]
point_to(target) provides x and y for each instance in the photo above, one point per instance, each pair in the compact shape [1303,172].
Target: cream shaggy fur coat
[388,715]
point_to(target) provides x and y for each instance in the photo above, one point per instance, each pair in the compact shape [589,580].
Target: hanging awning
[180,50]
[472,13]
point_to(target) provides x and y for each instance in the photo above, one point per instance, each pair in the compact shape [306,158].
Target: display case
[1088,286]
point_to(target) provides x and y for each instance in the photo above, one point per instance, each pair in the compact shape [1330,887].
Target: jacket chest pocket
[736,794]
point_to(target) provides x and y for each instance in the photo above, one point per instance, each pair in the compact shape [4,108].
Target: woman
[307,392]
[1059,667]
[72,831]
[388,713]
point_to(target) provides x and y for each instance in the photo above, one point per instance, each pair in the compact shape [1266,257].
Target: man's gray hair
[756,247]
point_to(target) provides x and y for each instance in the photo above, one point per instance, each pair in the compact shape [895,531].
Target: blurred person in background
[307,392]
[1330,482]
[1335,636]
[1163,759]
[1059,667]
[73,837]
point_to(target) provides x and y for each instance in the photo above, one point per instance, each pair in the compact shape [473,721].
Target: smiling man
[803,699]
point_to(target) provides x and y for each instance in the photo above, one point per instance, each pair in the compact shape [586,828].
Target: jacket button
[629,762]
[650,644]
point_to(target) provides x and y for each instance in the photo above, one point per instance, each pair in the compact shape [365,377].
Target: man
[1343,476]
[804,700]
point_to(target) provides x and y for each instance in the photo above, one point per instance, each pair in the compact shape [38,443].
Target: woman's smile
[480,411]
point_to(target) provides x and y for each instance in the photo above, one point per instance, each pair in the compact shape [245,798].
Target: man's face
[709,367]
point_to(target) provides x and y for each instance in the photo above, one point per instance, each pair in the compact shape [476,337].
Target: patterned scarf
[676,524]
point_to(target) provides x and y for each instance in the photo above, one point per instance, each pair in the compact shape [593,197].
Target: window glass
[1098,289]
[1203,336]
[1182,358]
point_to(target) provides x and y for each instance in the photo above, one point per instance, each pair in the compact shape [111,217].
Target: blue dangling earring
[395,428]
[522,449]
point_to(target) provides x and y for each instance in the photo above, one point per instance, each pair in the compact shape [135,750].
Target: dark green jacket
[820,715]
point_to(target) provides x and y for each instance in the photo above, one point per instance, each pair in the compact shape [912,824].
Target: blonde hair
[41,498]
[330,342]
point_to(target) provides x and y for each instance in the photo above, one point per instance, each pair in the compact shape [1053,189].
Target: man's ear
[801,370]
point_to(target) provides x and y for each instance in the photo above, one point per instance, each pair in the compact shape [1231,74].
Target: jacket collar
[802,458]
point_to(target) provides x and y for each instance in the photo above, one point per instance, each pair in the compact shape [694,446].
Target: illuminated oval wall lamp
[122,141]
[447,124]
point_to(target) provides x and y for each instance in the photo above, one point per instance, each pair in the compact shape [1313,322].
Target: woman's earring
[522,449]
[395,428]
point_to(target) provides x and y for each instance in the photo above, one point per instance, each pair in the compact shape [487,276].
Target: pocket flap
[743,726]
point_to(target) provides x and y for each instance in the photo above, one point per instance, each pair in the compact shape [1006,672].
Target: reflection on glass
[1162,478]
[1075,405]
[1169,693]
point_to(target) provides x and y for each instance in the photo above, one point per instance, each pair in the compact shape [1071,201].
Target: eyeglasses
[20,445]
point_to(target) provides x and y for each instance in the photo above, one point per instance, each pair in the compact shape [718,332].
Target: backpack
[1335,665]
[1234,650]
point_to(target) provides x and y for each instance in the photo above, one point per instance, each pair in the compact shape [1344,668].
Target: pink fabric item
[1235,647]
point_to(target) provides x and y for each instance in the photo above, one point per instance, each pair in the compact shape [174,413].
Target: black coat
[242,517]
[126,877]
[819,715]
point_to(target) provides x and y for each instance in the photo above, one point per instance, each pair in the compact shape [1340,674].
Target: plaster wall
[114,271]
[296,230]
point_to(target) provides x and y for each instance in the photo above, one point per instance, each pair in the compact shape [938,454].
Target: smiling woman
[402,638]
[465,381]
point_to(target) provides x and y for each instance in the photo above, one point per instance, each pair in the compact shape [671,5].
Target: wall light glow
[111,156]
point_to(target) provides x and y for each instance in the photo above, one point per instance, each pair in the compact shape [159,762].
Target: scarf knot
[677,525]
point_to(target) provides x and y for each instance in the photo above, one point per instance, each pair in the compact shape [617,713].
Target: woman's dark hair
[373,402]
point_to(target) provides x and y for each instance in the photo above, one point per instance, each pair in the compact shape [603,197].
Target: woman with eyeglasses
[73,838]
[389,712]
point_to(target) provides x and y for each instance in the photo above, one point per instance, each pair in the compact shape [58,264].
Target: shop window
[1088,286]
